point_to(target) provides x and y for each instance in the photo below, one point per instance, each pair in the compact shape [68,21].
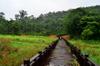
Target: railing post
[26,62]
[38,59]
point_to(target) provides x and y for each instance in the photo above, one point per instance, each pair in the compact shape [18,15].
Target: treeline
[45,24]
[80,23]
[84,23]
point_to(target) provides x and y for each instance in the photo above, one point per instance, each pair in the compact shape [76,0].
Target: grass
[91,47]
[14,49]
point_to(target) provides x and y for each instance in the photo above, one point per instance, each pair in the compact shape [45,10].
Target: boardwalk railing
[81,58]
[38,59]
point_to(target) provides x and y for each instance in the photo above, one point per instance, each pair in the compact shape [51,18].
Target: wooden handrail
[35,61]
[81,58]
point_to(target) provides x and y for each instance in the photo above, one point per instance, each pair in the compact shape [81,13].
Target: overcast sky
[36,7]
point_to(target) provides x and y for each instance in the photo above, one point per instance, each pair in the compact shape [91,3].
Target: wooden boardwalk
[61,55]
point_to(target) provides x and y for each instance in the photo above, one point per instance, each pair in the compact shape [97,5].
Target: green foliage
[84,22]
[87,34]
[51,23]
[90,25]
[72,21]
[91,47]
[80,23]
[14,49]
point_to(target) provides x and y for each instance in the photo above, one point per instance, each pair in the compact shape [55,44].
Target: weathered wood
[81,58]
[26,62]
[38,59]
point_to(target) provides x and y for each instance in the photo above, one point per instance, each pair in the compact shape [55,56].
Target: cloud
[36,7]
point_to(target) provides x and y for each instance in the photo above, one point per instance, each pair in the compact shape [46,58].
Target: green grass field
[14,49]
[91,47]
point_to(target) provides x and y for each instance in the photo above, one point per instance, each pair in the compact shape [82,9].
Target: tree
[2,15]
[17,16]
[23,14]
[91,26]
[72,21]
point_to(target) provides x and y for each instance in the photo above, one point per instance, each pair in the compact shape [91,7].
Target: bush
[87,34]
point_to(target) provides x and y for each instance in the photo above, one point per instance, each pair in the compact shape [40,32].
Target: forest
[81,23]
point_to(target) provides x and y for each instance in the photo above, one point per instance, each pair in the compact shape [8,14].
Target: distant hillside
[80,22]
[84,22]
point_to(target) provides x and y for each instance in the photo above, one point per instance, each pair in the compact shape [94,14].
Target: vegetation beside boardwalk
[14,49]
[91,47]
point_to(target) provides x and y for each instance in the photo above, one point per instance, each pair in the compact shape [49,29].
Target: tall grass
[91,47]
[14,49]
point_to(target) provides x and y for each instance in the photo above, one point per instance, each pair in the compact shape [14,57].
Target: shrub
[87,34]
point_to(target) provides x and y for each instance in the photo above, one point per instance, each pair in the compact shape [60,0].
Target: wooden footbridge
[59,53]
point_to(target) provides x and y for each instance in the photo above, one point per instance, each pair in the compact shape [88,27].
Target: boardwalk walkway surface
[61,55]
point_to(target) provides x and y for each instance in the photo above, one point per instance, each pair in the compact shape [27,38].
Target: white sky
[36,7]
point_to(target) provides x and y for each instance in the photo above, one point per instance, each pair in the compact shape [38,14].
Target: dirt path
[61,55]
